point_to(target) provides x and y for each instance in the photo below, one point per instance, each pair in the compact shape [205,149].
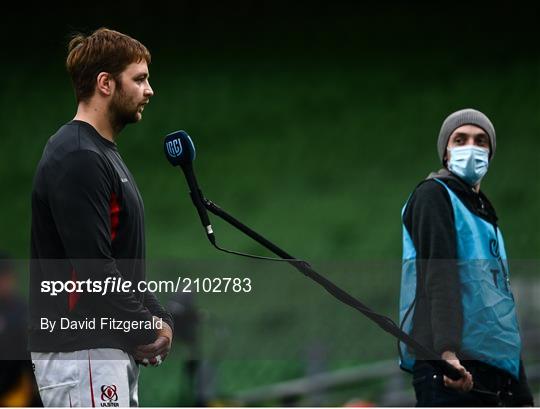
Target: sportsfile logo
[174,148]
[109,396]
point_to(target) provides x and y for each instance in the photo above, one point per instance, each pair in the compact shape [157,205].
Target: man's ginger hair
[102,51]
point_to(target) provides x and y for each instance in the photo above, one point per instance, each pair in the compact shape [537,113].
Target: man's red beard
[122,111]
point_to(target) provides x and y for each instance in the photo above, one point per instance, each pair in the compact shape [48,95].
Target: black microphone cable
[180,151]
[383,321]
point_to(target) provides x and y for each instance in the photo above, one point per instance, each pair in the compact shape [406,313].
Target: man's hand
[465,383]
[155,352]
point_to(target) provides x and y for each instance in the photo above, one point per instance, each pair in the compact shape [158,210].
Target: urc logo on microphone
[174,148]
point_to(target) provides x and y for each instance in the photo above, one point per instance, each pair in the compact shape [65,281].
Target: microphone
[180,151]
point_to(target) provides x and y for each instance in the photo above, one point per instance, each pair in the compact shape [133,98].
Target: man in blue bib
[455,290]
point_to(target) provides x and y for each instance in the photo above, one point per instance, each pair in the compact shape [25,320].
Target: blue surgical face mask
[470,163]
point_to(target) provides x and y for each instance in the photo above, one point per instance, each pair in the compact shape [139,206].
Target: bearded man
[88,228]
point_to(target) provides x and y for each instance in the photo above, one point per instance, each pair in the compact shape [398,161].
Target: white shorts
[101,377]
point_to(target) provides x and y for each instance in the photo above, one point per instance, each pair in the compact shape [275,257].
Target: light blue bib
[490,327]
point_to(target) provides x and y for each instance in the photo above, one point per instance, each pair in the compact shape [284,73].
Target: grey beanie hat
[465,117]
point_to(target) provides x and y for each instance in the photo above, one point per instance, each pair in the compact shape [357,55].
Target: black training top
[87,223]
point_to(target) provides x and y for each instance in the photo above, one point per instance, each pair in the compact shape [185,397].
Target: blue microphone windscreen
[179,148]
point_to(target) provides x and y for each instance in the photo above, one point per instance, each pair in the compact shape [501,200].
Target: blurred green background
[313,122]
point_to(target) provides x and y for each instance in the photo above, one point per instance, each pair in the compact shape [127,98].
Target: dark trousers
[430,390]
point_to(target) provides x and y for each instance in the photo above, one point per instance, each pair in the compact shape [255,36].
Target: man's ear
[105,84]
